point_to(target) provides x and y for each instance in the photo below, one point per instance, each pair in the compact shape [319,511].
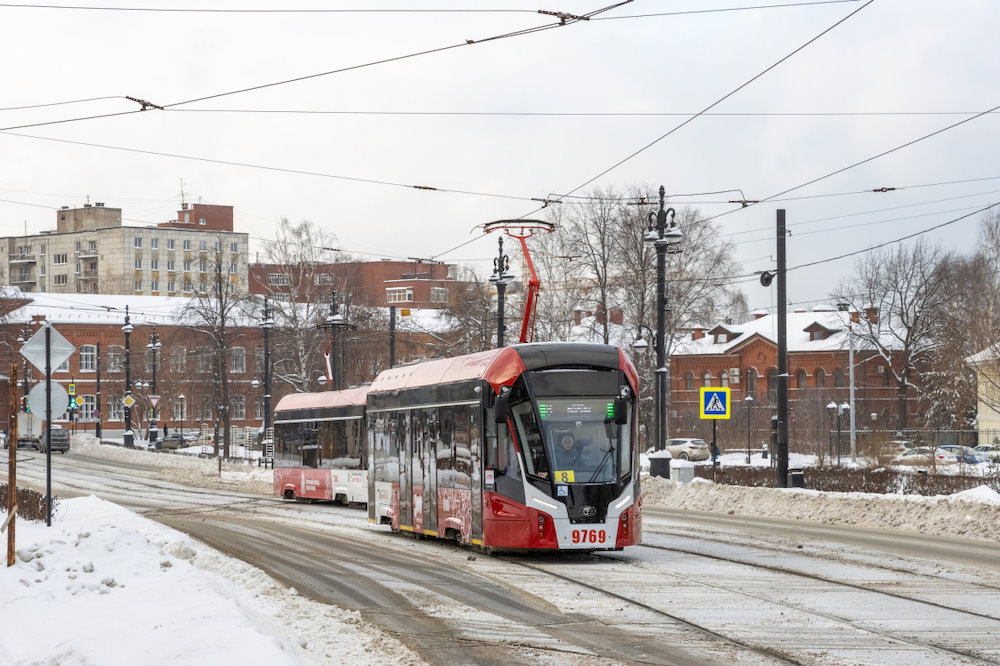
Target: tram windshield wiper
[600,465]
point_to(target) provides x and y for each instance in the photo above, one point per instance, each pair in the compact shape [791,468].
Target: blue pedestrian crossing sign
[714,402]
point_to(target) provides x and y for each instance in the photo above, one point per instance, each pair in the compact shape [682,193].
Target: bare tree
[902,294]
[214,312]
[472,312]
[301,300]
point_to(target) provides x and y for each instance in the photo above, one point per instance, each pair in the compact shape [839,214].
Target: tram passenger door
[405,471]
[476,446]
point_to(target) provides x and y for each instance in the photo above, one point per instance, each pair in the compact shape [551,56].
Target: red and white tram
[319,446]
[531,446]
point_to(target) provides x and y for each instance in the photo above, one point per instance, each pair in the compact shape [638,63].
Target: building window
[89,408]
[238,407]
[170,285]
[201,221]
[723,378]
[258,410]
[62,367]
[154,285]
[234,247]
[60,279]
[751,382]
[323,278]
[278,280]
[187,264]
[59,259]
[203,410]
[820,379]
[707,379]
[88,358]
[202,288]
[78,268]
[838,377]
[154,243]
[178,360]
[237,360]
[203,245]
[138,285]
[772,385]
[202,360]
[116,410]
[439,295]
[171,265]
[800,379]
[234,267]
[689,381]
[187,285]
[170,243]
[77,246]
[138,241]
[154,264]
[202,266]
[187,245]
[92,245]
[218,246]
[258,360]
[115,358]
[138,263]
[399,295]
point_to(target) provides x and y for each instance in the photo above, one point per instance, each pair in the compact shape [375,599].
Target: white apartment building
[91,252]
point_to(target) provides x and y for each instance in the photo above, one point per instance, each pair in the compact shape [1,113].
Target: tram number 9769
[589,536]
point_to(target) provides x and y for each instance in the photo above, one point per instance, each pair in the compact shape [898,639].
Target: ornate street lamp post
[749,402]
[128,437]
[154,431]
[661,235]
[501,273]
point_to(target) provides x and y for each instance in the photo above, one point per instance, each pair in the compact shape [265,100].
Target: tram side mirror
[501,407]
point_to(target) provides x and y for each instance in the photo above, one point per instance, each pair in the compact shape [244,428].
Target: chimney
[617,316]
[577,316]
[871,313]
[855,316]
[759,314]
[697,333]
[600,313]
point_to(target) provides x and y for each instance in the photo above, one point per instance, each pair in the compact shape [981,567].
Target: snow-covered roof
[799,327]
[109,309]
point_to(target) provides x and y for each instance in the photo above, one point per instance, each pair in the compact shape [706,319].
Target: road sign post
[714,405]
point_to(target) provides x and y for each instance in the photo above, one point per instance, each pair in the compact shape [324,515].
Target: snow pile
[973,514]
[158,597]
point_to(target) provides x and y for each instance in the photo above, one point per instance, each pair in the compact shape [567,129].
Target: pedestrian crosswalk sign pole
[714,403]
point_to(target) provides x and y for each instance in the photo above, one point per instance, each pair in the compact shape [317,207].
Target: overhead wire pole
[782,443]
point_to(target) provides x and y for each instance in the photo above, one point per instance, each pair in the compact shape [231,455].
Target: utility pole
[128,437]
[501,273]
[782,443]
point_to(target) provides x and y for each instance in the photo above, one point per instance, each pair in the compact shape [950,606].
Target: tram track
[828,581]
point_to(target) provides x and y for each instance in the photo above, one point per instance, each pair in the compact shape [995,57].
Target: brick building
[745,358]
[414,283]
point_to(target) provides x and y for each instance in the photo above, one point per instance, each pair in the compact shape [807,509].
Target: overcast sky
[500,122]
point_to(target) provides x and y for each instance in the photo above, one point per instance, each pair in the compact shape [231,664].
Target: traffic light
[24,404]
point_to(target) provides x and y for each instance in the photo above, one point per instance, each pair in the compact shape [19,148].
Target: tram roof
[497,366]
[352,397]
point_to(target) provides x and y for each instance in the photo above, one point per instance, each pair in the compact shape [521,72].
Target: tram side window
[531,438]
[445,451]
[378,431]
[462,446]
[625,449]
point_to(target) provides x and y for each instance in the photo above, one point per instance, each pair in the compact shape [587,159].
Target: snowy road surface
[703,588]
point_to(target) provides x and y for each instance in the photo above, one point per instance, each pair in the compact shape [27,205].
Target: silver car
[688,448]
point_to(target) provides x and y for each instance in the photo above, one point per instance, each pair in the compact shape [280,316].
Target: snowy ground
[163,598]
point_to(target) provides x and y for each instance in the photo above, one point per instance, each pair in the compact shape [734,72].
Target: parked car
[896,447]
[989,451]
[172,441]
[688,448]
[963,454]
[925,456]
[60,440]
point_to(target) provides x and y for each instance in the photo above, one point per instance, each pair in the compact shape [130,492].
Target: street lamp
[840,409]
[501,273]
[154,431]
[749,403]
[661,235]
[267,326]
[181,399]
[128,437]
[335,322]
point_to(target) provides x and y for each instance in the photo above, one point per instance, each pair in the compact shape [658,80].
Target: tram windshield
[574,440]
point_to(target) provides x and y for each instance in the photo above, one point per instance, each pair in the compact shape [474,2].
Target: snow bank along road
[706,587]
